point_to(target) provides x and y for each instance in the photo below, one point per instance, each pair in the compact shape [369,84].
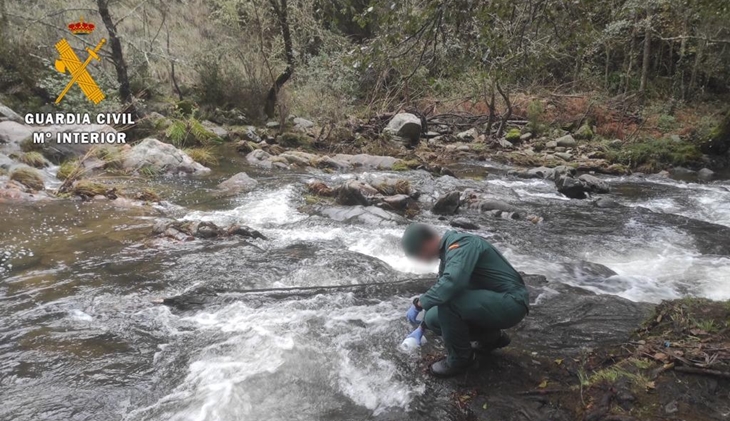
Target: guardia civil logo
[70,63]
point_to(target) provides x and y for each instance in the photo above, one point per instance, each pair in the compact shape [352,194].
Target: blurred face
[429,250]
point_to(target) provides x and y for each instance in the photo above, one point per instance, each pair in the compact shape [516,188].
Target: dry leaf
[543,385]
[559,361]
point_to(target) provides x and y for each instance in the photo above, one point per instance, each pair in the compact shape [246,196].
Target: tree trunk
[646,57]
[696,67]
[630,67]
[507,114]
[3,19]
[125,92]
[280,9]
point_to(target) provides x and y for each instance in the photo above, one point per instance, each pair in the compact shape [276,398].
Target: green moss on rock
[513,135]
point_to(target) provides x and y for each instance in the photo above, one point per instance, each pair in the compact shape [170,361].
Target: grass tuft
[28,177]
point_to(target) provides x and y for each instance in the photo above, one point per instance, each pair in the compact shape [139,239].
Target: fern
[199,132]
[177,133]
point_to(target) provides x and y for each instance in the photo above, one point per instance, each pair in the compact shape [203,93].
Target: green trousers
[473,315]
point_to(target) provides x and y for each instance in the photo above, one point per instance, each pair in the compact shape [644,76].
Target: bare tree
[125,91]
[280,10]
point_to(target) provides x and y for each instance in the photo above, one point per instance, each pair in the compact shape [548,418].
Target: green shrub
[188,131]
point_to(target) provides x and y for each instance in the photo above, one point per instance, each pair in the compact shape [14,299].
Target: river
[81,340]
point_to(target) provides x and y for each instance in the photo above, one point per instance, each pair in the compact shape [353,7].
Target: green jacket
[470,262]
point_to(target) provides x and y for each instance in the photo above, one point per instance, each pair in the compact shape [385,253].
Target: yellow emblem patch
[454,246]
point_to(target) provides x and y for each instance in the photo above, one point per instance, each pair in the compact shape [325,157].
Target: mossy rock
[89,188]
[405,165]
[513,135]
[28,177]
[294,140]
[585,132]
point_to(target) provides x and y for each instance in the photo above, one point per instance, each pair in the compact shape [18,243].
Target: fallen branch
[702,371]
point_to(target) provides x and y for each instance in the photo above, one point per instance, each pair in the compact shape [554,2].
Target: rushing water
[81,340]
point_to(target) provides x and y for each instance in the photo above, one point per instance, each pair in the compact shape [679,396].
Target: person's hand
[413,312]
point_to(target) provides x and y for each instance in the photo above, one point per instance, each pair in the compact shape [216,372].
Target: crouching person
[478,294]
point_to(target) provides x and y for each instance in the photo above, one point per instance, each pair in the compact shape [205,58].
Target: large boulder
[59,152]
[374,162]
[705,174]
[447,204]
[7,114]
[12,134]
[406,126]
[571,187]
[594,184]
[371,215]
[260,158]
[159,157]
[239,183]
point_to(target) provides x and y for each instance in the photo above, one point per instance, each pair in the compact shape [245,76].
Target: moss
[34,159]
[584,132]
[67,168]
[513,135]
[294,140]
[28,177]
[88,188]
[657,154]
[202,155]
[405,164]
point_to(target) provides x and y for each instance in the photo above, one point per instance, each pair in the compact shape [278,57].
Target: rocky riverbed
[83,336]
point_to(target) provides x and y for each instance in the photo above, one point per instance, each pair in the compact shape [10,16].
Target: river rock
[8,114]
[571,187]
[239,183]
[11,135]
[505,143]
[492,204]
[606,203]
[447,204]
[251,135]
[463,224]
[568,319]
[354,193]
[160,157]
[374,162]
[6,162]
[566,141]
[259,158]
[302,123]
[331,163]
[406,126]
[396,202]
[584,132]
[301,159]
[705,174]
[190,230]
[595,184]
[468,135]
[371,215]
[59,152]
[565,156]
[551,145]
[216,129]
